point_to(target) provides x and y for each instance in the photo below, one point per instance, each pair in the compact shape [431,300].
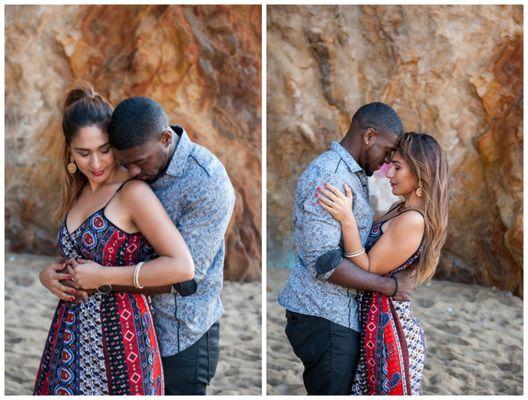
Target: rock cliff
[452,71]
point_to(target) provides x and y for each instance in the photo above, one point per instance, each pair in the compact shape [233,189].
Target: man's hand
[51,277]
[405,285]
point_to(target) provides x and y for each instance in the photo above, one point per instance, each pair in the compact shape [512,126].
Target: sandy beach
[474,339]
[29,309]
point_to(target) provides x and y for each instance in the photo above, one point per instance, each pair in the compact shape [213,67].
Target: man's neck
[174,144]
[352,144]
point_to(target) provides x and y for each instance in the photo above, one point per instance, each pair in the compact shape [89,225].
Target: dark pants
[328,351]
[190,371]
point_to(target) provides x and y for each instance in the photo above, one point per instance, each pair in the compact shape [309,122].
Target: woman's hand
[339,205]
[87,274]
[51,278]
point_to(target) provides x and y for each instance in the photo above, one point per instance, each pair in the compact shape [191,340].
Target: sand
[474,337]
[29,309]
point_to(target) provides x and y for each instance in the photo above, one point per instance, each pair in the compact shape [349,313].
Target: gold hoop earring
[419,191]
[72,168]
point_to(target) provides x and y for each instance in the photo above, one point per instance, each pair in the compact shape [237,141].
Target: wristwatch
[104,289]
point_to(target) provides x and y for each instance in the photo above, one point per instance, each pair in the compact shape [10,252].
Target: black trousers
[328,351]
[191,370]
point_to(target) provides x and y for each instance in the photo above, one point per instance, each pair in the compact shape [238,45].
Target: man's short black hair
[135,121]
[378,116]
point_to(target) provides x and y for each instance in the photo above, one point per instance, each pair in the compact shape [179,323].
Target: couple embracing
[143,213]
[348,310]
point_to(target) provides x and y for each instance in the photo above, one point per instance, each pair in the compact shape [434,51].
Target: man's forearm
[349,275]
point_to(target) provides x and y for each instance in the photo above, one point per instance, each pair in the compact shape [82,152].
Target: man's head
[141,137]
[376,127]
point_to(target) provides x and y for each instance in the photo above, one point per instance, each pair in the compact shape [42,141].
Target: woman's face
[92,153]
[403,182]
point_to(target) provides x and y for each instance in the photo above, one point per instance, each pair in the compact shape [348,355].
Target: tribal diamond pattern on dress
[98,346]
[392,351]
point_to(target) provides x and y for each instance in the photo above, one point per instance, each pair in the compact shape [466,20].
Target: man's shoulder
[327,165]
[202,163]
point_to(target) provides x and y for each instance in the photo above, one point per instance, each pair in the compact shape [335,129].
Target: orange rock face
[452,71]
[201,63]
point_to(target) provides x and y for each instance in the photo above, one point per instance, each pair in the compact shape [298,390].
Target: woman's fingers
[335,191]
[63,294]
[327,208]
[348,191]
[328,193]
[322,198]
[65,289]
[62,276]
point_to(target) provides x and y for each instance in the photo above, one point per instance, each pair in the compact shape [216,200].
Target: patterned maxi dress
[106,345]
[392,351]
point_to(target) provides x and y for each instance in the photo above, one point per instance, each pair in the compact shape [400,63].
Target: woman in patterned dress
[409,236]
[106,343]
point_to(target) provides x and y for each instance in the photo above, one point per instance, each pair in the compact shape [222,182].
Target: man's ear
[370,135]
[166,138]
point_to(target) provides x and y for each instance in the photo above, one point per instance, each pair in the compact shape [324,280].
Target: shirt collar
[346,157]
[183,150]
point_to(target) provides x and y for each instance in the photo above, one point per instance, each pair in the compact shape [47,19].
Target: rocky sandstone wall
[202,63]
[452,71]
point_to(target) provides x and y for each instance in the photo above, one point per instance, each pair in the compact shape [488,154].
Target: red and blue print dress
[106,345]
[392,351]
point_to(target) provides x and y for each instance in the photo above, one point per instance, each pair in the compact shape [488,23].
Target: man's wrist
[390,286]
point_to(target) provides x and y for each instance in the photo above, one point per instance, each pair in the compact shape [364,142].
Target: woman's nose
[95,162]
[390,172]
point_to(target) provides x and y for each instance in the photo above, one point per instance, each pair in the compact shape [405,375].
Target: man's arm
[318,232]
[348,275]
[202,226]
[205,219]
[147,291]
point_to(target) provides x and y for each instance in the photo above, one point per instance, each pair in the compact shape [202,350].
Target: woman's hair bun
[81,90]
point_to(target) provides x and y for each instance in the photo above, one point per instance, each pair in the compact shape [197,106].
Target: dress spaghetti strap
[118,189]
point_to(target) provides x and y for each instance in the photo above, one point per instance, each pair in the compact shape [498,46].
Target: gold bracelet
[136,275]
[355,254]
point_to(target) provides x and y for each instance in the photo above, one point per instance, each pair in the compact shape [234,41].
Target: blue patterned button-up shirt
[317,232]
[196,192]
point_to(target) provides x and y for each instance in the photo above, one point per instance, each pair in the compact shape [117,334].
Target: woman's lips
[98,173]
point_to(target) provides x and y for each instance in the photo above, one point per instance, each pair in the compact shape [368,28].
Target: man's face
[146,161]
[379,149]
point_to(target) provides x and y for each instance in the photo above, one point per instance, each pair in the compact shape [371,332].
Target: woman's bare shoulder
[135,189]
[409,221]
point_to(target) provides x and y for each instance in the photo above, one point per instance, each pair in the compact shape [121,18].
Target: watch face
[105,289]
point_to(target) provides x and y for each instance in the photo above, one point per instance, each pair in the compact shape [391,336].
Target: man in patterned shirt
[195,190]
[321,311]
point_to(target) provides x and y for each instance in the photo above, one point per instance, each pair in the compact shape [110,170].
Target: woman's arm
[395,246]
[339,205]
[174,263]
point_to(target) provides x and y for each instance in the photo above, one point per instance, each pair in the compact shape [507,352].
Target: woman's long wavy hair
[83,107]
[428,163]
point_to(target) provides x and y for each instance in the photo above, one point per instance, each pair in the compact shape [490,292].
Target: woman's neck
[413,201]
[113,177]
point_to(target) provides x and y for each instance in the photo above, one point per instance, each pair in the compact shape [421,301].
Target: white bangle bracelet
[355,253]
[136,275]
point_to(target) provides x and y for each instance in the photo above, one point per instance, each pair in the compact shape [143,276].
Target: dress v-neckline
[83,222]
